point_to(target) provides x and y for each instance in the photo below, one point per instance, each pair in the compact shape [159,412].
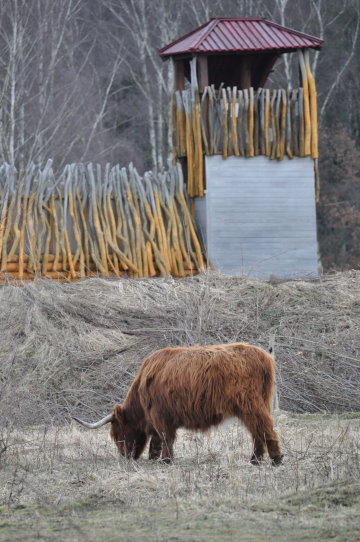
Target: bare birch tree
[52,102]
[148,26]
[83,80]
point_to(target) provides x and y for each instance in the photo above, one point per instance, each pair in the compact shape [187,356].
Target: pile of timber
[234,122]
[91,220]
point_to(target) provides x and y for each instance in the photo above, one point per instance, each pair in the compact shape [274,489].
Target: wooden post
[179,67]
[251,122]
[203,72]
[275,398]
[245,72]
[267,66]
[313,107]
[306,104]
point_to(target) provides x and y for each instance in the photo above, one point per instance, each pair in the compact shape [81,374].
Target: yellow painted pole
[225,123]
[307,121]
[313,107]
[189,149]
[282,125]
[240,123]
[234,111]
[251,122]
[267,122]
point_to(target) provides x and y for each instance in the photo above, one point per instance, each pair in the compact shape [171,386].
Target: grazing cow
[196,388]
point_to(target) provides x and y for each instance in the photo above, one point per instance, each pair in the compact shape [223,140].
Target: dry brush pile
[74,348]
[87,220]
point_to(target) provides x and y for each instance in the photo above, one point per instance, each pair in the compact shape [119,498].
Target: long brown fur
[196,388]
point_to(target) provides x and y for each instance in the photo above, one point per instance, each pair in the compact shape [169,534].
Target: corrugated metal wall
[258,216]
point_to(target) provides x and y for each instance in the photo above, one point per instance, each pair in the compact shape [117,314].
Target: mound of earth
[75,348]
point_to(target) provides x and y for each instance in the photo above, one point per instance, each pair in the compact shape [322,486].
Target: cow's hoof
[277,460]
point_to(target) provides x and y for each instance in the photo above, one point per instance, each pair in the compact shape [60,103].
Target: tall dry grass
[74,348]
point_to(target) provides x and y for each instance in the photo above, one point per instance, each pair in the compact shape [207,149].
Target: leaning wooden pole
[313,107]
[306,102]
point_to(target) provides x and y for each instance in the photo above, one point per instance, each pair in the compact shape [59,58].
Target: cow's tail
[269,382]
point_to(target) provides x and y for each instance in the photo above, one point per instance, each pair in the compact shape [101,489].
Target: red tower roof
[221,35]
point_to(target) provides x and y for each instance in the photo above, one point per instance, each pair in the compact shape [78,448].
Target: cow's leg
[260,425]
[155,447]
[168,438]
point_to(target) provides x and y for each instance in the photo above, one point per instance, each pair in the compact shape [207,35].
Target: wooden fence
[92,220]
[229,121]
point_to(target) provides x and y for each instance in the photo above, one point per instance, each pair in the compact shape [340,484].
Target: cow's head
[130,441]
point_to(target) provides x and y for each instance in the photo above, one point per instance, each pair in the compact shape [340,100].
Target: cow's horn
[95,425]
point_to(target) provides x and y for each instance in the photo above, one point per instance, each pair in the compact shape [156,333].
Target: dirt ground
[65,483]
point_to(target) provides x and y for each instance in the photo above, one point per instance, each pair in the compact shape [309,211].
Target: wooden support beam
[179,67]
[245,72]
[203,72]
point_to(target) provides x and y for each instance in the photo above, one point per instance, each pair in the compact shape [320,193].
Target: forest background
[82,80]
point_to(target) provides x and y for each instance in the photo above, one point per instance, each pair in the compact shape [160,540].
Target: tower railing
[276,123]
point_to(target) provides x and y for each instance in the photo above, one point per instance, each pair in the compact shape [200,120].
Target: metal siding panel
[209,45]
[235,28]
[247,37]
[250,29]
[221,39]
[277,38]
[227,36]
[200,218]
[261,216]
[263,36]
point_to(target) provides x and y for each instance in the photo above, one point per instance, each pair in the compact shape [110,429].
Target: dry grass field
[64,483]
[72,349]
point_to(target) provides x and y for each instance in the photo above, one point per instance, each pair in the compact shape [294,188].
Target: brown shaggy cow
[196,388]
